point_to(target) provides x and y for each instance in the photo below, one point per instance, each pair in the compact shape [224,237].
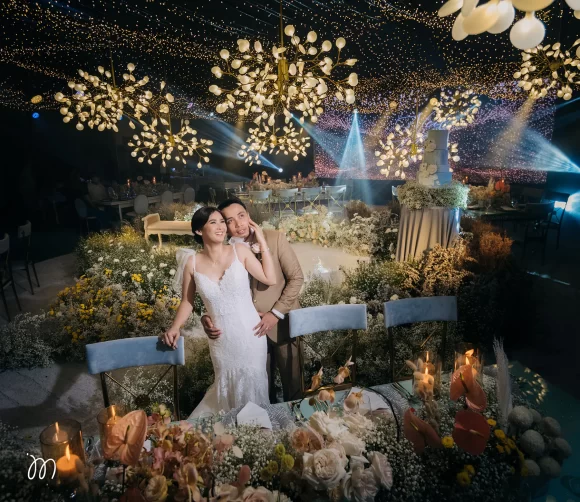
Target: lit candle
[426,376]
[299,176]
[154,181]
[470,357]
[128,183]
[67,466]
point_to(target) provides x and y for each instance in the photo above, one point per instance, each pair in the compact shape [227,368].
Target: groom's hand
[268,321]
[210,330]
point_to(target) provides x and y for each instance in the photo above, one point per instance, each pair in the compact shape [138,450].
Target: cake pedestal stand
[421,229]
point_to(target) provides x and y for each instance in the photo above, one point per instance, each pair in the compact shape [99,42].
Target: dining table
[123,203]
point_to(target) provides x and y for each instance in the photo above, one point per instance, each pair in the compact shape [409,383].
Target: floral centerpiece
[416,196]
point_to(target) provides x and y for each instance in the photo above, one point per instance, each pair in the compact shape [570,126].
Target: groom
[272,302]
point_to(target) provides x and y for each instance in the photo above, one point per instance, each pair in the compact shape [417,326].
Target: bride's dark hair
[199,219]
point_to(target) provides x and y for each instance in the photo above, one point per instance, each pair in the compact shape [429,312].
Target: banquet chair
[112,193]
[260,199]
[104,357]
[184,187]
[310,199]
[140,208]
[537,217]
[188,195]
[82,212]
[560,205]
[412,310]
[395,192]
[286,198]
[6,277]
[167,197]
[23,252]
[336,194]
[308,321]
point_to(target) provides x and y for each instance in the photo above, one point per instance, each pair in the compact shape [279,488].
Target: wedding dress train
[238,356]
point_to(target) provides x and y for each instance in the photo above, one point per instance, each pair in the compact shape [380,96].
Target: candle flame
[469,352]
[114,412]
[427,357]
[426,371]
[67,452]
[56,427]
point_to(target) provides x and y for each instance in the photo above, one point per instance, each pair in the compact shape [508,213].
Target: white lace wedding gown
[238,357]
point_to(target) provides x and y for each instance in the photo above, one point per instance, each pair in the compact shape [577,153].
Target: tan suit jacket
[283,296]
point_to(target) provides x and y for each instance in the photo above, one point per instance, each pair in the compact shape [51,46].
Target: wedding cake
[434,171]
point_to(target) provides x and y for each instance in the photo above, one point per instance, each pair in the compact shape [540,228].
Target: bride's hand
[170,337]
[258,232]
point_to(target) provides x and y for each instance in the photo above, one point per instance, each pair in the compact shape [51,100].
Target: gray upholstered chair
[189,195]
[105,357]
[286,199]
[310,199]
[167,197]
[312,320]
[412,310]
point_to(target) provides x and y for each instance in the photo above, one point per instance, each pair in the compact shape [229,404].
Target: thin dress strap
[235,253]
[193,261]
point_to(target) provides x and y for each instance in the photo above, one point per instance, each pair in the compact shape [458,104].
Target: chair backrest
[81,208]
[4,244]
[189,195]
[327,318]
[184,187]
[540,210]
[411,310]
[560,200]
[394,190]
[310,193]
[131,352]
[336,190]
[289,193]
[141,204]
[260,194]
[24,230]
[167,197]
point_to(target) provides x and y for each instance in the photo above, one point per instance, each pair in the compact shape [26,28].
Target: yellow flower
[469,469]
[500,448]
[272,467]
[463,478]
[511,444]
[279,450]
[287,462]
[265,474]
[491,422]
[447,442]
[499,434]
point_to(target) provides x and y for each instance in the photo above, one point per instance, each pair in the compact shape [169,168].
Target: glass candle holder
[427,377]
[107,418]
[469,354]
[56,437]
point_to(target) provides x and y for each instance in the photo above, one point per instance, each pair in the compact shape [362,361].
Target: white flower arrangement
[416,196]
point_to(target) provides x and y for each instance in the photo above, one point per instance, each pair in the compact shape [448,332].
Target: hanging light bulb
[507,14]
[482,18]
[450,7]
[458,33]
[531,5]
[527,32]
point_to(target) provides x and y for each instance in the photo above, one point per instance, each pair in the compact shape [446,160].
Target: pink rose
[360,485]
[259,494]
[323,469]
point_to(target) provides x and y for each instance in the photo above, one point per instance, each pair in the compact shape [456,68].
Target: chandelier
[401,147]
[496,16]
[270,85]
[457,109]
[100,102]
[548,67]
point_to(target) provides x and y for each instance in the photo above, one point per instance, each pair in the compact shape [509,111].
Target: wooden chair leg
[160,240]
[176,393]
[391,341]
[105,390]
[35,274]
[5,304]
[28,276]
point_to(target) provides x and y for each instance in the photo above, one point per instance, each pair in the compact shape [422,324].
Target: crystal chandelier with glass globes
[548,68]
[496,16]
[270,86]
[99,102]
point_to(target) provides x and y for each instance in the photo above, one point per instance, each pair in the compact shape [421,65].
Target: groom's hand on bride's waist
[268,321]
[210,330]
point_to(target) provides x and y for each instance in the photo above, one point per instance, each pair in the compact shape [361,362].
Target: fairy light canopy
[399,45]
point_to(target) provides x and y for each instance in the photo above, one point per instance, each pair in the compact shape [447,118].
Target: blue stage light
[35,115]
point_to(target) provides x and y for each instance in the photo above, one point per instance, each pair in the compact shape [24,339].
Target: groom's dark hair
[229,202]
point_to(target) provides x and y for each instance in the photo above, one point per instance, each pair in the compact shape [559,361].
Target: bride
[219,273]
